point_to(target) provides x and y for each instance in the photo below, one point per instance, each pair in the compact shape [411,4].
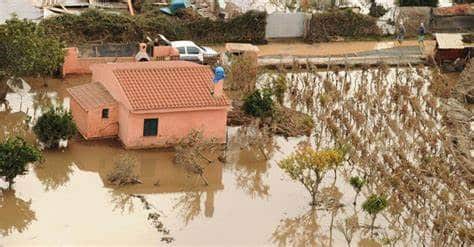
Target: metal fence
[108,50]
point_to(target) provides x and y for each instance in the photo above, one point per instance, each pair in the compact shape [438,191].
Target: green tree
[374,205]
[259,103]
[54,125]
[357,183]
[27,51]
[15,154]
[279,87]
[309,166]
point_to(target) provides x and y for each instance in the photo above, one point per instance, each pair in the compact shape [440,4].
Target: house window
[105,113]
[150,127]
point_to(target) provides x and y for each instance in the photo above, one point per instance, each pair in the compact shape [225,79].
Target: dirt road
[332,48]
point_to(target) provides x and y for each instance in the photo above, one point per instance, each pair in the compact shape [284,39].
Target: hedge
[324,26]
[100,26]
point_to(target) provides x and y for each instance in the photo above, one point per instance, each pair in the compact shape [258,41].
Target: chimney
[142,55]
[218,81]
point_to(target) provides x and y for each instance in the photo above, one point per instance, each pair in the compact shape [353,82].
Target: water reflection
[55,171]
[155,169]
[15,213]
[189,205]
[122,201]
[249,149]
[302,230]
[250,173]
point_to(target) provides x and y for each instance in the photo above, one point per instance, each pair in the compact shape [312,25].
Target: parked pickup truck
[190,51]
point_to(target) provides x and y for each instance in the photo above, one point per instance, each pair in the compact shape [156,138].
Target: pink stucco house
[150,104]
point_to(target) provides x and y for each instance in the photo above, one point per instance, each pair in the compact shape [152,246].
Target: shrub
[279,87]
[15,154]
[123,172]
[259,103]
[323,26]
[54,125]
[242,73]
[99,26]
[357,183]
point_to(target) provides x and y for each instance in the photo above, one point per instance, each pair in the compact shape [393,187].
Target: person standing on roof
[421,34]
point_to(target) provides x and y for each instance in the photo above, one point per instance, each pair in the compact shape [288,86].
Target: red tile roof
[91,96]
[167,85]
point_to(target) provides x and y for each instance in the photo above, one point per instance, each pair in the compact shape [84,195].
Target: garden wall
[285,25]
[462,24]
[73,64]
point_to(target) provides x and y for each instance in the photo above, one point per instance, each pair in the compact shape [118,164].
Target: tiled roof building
[147,94]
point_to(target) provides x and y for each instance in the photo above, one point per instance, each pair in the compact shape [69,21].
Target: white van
[189,51]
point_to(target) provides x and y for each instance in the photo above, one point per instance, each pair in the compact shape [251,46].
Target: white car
[189,51]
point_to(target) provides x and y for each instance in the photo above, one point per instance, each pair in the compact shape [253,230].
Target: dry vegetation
[391,122]
[124,171]
[195,153]
[241,82]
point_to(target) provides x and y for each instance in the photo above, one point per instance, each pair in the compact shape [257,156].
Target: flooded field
[249,201]
[66,200]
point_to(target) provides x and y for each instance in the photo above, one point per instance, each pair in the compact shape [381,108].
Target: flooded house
[150,104]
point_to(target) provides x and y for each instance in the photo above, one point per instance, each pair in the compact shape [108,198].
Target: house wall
[123,124]
[98,127]
[172,126]
[109,81]
[448,54]
[80,116]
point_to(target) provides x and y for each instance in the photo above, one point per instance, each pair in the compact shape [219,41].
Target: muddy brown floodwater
[249,201]
[66,200]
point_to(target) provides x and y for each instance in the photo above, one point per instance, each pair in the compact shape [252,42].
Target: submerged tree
[192,153]
[357,183]
[374,205]
[124,171]
[309,166]
[15,154]
[53,126]
[27,51]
